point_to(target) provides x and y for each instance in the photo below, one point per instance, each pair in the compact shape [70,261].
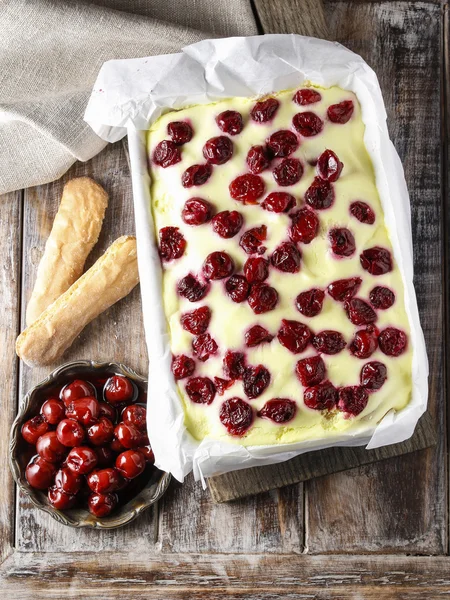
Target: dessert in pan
[284,302]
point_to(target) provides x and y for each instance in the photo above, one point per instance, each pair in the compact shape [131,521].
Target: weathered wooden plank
[308,16]
[196,576]
[115,335]
[446,186]
[10,251]
[399,505]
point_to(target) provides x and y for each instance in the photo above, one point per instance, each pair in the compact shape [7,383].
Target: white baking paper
[131,94]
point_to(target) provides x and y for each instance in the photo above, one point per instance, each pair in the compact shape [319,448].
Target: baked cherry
[392,342]
[33,429]
[364,342]
[203,346]
[196,211]
[328,342]
[311,370]
[82,460]
[257,335]
[59,499]
[278,202]
[307,123]
[236,415]
[196,321]
[180,132]
[278,410]
[329,166]
[373,375]
[286,258]
[227,223]
[108,411]
[222,385]
[258,159]
[130,463]
[310,302]
[218,265]
[119,389]
[50,448]
[75,390]
[360,312]
[376,260]
[256,269]
[255,380]
[128,435]
[282,143]
[363,212]
[234,364]
[191,288]
[200,390]
[84,410]
[166,154]
[342,241]
[39,473]
[101,433]
[136,415]
[251,240]
[68,481]
[218,150]
[340,113]
[103,481]
[101,505]
[105,456]
[238,288]
[322,396]
[294,336]
[247,188]
[196,175]
[320,194]
[182,366]
[288,172]
[172,244]
[148,454]
[304,227]
[352,400]
[70,433]
[381,297]
[264,110]
[230,121]
[262,298]
[344,289]
[306,96]
[53,411]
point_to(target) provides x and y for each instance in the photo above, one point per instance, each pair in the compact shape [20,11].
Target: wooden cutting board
[247,482]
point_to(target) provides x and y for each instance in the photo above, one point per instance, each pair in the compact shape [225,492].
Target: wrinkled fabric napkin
[50,55]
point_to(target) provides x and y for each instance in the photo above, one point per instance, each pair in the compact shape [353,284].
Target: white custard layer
[318,269]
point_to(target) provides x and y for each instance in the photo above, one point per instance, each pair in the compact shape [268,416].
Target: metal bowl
[19,452]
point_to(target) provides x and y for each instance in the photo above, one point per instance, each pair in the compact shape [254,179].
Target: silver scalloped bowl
[19,452]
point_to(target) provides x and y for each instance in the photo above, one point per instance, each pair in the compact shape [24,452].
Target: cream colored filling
[319,268]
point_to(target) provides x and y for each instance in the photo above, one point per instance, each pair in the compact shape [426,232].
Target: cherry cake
[284,301]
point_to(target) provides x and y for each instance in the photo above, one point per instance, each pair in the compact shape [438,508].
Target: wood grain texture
[399,505]
[117,334]
[10,248]
[305,17]
[199,576]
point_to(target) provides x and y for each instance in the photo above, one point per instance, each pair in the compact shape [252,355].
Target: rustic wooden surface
[348,535]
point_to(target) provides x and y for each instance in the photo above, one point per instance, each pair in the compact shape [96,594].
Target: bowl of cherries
[79,447]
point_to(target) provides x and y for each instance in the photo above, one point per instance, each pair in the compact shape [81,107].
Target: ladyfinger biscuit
[111,278]
[75,231]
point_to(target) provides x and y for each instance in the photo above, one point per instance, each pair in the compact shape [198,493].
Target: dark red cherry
[218,150]
[196,211]
[101,433]
[263,298]
[203,346]
[286,258]
[247,188]
[360,312]
[227,223]
[75,390]
[306,96]
[278,410]
[101,505]
[329,166]
[373,375]
[39,473]
[344,289]
[264,110]
[352,400]
[238,288]
[59,499]
[258,159]
[136,415]
[236,415]
[105,456]
[294,336]
[53,411]
[50,448]
[128,435]
[251,240]
[255,380]
[148,454]
[320,194]
[33,429]
[304,227]
[342,241]
[376,260]
[108,411]
[171,243]
[180,132]
[362,212]
[256,269]
[288,172]
[82,460]
[200,390]
[70,433]
[282,143]
[234,365]
[119,389]
[340,113]
[68,481]
[222,385]
[257,335]
[103,481]
[196,175]
[189,287]
[196,321]
[84,410]
[328,342]
[182,366]
[310,303]
[381,297]
[322,396]
[130,463]
[364,342]
[230,121]
[278,202]
[307,123]
[166,154]
[218,265]
[311,370]
[392,342]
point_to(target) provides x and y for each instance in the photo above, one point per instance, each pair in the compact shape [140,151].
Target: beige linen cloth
[50,55]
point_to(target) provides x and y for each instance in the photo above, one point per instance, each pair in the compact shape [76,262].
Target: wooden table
[380,531]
